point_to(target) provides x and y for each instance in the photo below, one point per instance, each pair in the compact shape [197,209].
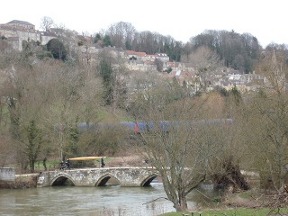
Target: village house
[162,56]
[134,56]
[17,31]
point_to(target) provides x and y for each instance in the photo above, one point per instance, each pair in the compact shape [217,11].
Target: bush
[57,49]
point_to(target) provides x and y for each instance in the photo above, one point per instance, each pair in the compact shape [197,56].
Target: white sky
[181,19]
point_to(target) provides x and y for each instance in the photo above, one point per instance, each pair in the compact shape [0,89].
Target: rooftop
[20,22]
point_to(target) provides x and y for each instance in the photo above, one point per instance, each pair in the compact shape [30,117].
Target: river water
[108,201]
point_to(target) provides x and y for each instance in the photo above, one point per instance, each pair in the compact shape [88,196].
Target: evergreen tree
[107,41]
[57,49]
[107,74]
[74,135]
[97,38]
[33,143]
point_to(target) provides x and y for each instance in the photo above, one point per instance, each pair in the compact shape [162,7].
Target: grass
[232,212]
[50,164]
[246,198]
[54,164]
[244,212]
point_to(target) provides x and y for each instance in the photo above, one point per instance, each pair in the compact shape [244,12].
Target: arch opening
[107,180]
[147,181]
[62,181]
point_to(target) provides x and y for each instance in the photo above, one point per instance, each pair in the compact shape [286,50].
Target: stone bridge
[126,176]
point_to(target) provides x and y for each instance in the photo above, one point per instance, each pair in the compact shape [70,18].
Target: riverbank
[21,182]
[256,202]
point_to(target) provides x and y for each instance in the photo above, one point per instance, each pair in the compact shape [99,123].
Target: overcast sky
[181,19]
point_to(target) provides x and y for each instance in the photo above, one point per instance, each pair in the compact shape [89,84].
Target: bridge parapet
[127,176]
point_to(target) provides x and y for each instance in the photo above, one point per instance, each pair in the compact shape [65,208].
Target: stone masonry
[127,176]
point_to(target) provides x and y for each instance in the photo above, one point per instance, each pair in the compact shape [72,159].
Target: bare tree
[269,109]
[4,45]
[46,23]
[25,103]
[7,155]
[206,62]
[180,141]
[55,98]
[63,84]
[121,34]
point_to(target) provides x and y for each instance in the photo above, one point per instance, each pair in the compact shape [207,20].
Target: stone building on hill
[17,31]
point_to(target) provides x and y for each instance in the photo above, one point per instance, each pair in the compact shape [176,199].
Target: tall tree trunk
[181,204]
[32,168]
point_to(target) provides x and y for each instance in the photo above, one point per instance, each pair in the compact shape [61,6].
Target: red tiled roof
[132,52]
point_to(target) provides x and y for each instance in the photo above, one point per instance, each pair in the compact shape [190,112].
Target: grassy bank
[233,212]
[254,202]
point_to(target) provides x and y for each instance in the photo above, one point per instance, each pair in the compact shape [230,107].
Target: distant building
[17,31]
[20,25]
[134,55]
[162,56]
[45,37]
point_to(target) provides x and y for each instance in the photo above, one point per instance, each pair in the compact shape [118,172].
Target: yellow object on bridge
[85,158]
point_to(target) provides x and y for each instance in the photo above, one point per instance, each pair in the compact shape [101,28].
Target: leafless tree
[180,141]
[22,90]
[7,155]
[269,109]
[46,23]
[206,63]
[121,34]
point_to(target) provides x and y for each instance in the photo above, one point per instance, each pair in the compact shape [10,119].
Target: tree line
[234,50]
[238,51]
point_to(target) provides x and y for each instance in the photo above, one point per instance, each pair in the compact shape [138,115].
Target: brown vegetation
[231,177]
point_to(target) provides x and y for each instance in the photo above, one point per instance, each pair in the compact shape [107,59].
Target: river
[108,201]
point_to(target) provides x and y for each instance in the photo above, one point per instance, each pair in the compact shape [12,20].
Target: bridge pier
[91,177]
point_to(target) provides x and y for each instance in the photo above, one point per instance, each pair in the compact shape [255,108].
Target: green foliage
[236,95]
[222,91]
[107,41]
[44,54]
[106,71]
[159,65]
[50,164]
[14,117]
[80,43]
[72,149]
[128,45]
[231,212]
[3,37]
[57,49]
[33,139]
[107,74]
[97,38]
[27,47]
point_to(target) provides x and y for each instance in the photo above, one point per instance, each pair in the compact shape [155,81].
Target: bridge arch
[62,179]
[146,182]
[105,178]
